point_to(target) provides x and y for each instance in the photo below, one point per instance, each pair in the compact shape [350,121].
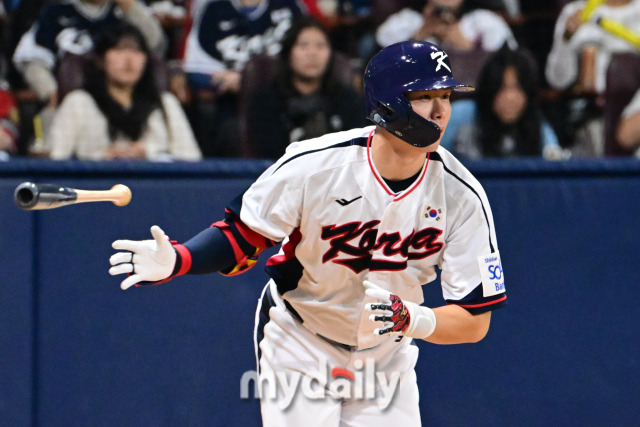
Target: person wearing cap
[365,218]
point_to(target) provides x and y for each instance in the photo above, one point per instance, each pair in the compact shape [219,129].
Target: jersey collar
[378,177]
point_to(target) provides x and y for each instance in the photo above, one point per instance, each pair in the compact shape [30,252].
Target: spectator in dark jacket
[305,99]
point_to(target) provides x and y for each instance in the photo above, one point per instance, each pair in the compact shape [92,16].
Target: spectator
[121,113]
[572,36]
[172,16]
[8,110]
[504,119]
[8,124]
[225,34]
[305,99]
[18,17]
[578,61]
[628,131]
[456,24]
[69,26]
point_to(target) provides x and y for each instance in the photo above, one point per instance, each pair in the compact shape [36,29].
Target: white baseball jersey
[341,224]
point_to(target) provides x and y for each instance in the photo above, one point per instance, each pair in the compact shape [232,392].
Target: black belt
[297,316]
[347,347]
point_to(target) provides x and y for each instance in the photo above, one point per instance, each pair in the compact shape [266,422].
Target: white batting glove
[145,260]
[394,315]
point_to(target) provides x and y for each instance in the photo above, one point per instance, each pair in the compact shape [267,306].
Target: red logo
[343,372]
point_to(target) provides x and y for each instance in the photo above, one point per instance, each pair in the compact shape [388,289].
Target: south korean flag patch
[433,213]
[491,274]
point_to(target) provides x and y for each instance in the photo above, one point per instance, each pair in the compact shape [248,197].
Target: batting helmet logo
[441,56]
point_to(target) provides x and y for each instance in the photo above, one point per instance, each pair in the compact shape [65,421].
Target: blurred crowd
[165,80]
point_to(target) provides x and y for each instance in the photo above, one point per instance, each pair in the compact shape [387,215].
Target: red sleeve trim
[237,251]
[185,266]
[254,238]
[288,249]
[185,257]
[484,304]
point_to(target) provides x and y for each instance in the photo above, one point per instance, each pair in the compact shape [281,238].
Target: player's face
[310,54]
[511,100]
[124,64]
[433,105]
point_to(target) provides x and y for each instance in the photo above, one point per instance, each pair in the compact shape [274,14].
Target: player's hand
[227,81]
[572,24]
[394,315]
[145,260]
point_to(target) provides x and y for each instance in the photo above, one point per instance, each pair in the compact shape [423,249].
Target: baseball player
[364,218]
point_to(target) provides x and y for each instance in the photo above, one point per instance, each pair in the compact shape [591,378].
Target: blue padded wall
[77,350]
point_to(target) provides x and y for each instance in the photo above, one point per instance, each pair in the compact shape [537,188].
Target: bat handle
[119,194]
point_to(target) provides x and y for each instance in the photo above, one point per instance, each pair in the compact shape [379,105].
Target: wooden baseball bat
[32,196]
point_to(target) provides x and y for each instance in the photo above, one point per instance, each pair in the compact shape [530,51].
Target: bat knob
[26,195]
[123,195]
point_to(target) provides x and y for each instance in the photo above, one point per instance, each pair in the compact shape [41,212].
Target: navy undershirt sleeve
[210,251]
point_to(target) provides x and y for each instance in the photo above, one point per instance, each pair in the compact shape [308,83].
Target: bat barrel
[30,195]
[26,195]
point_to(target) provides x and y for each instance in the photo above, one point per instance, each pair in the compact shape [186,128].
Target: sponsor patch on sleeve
[491,274]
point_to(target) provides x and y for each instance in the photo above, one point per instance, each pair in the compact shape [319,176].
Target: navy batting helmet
[403,67]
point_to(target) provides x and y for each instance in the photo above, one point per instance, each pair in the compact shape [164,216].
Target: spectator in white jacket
[450,24]
[121,113]
[572,36]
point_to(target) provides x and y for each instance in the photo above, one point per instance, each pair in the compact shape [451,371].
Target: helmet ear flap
[411,127]
[416,130]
